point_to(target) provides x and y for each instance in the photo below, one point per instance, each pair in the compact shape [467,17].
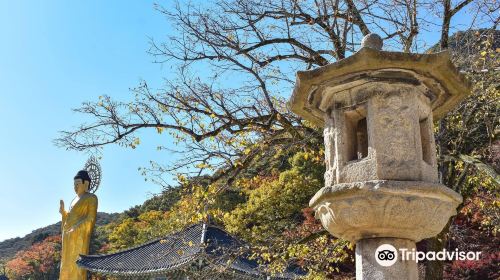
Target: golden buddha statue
[77,227]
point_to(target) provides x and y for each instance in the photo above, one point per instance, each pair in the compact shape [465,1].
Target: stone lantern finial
[373,41]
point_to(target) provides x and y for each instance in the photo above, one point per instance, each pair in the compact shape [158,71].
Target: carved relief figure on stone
[77,226]
[330,160]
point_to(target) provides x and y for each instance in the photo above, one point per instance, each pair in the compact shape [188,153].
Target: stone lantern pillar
[381,183]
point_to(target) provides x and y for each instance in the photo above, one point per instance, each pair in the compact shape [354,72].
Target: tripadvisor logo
[387,255]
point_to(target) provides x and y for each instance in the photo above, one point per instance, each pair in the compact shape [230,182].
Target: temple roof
[200,248]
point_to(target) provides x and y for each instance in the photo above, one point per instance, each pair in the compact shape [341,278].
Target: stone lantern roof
[433,74]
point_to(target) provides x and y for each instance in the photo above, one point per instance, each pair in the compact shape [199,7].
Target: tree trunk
[434,269]
[445,29]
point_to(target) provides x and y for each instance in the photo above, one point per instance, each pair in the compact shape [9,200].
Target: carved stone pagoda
[381,183]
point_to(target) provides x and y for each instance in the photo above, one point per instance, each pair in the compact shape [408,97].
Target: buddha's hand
[75,226]
[61,207]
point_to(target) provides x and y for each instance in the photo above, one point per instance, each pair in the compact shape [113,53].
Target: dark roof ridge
[212,225]
[181,265]
[171,235]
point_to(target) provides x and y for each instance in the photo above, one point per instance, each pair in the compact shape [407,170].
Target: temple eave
[182,253]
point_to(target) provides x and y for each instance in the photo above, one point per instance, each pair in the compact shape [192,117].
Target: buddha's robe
[77,226]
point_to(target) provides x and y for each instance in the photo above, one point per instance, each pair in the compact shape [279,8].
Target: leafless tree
[249,51]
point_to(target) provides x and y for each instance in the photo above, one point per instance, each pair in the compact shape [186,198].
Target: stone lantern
[381,182]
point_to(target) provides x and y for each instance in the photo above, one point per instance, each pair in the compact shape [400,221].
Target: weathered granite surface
[367,267]
[401,209]
[398,142]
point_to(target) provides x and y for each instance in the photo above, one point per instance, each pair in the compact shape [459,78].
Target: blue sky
[53,56]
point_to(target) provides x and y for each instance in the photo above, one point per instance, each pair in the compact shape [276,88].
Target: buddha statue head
[82,182]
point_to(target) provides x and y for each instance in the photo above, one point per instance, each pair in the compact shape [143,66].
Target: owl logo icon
[386,255]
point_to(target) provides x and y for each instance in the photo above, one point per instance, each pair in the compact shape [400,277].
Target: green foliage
[276,221]
[164,201]
[161,202]
[124,234]
[275,205]
[472,128]
[189,209]
[470,135]
[130,232]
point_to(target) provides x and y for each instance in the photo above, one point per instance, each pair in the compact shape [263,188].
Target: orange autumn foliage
[40,261]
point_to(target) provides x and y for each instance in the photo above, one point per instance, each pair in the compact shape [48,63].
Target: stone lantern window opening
[425,140]
[362,139]
[356,135]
